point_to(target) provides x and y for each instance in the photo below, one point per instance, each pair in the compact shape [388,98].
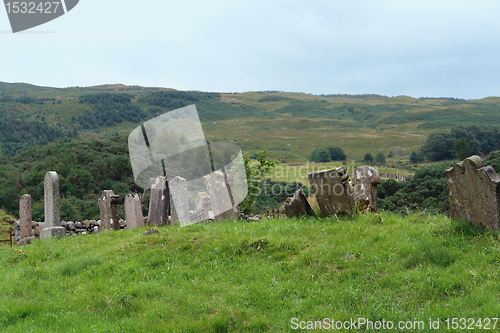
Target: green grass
[252,277]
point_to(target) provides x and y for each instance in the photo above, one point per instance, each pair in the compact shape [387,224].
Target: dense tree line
[84,168]
[17,133]
[327,154]
[461,142]
[110,109]
[426,190]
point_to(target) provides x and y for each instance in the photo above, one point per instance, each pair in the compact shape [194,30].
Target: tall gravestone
[365,182]
[25,216]
[159,201]
[332,190]
[105,207]
[133,211]
[179,193]
[222,204]
[474,192]
[52,207]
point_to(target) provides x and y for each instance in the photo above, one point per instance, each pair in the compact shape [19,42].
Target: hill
[288,125]
[254,277]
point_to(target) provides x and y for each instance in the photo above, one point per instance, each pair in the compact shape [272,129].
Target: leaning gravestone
[474,193]
[179,193]
[159,201]
[25,216]
[366,180]
[105,207]
[332,190]
[133,211]
[220,197]
[298,205]
[52,208]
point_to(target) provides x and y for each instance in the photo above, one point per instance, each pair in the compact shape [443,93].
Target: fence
[276,213]
[11,236]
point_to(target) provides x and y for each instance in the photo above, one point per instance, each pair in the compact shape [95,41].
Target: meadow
[254,277]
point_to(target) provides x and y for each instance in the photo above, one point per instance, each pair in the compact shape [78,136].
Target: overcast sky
[401,47]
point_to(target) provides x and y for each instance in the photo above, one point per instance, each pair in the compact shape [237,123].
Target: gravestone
[105,207]
[219,197]
[115,200]
[202,203]
[52,207]
[332,190]
[298,205]
[179,194]
[365,182]
[474,193]
[25,216]
[159,201]
[133,211]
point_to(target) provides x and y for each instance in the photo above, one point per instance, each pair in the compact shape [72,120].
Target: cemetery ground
[253,276]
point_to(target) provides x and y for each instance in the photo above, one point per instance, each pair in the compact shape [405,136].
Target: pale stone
[474,193]
[298,205]
[217,189]
[52,198]
[365,182]
[52,224]
[202,203]
[25,216]
[179,193]
[133,211]
[332,190]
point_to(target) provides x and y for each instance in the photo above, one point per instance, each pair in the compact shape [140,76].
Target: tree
[337,154]
[416,157]
[255,173]
[380,157]
[461,148]
[368,158]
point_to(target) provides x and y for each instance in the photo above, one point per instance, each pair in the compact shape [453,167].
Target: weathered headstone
[332,190]
[159,201]
[105,207]
[474,193]
[115,200]
[133,211]
[366,180]
[179,193]
[231,188]
[52,207]
[219,197]
[202,203]
[298,205]
[25,216]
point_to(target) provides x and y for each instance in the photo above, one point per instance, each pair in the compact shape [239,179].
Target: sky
[421,48]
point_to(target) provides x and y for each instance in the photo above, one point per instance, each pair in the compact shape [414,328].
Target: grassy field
[299,171]
[253,277]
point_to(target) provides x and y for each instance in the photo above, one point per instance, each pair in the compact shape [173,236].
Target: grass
[252,277]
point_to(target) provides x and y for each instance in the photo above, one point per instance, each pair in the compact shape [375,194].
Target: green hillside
[288,125]
[253,277]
